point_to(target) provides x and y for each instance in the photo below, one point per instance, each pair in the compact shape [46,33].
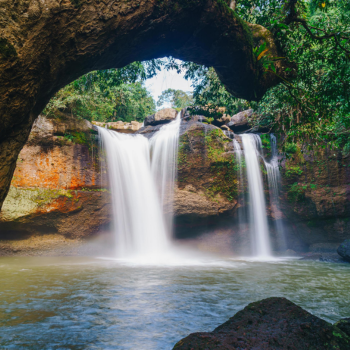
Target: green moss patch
[7,50]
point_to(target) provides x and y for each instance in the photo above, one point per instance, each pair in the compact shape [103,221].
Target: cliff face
[60,188]
[57,186]
[316,196]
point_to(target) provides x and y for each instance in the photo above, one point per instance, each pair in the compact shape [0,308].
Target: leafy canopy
[107,95]
[315,37]
[177,98]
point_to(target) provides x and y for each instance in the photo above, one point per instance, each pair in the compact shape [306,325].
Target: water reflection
[80,303]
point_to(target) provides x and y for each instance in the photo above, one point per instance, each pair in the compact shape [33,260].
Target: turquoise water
[87,303]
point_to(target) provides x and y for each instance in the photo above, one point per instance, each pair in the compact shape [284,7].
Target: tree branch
[294,18]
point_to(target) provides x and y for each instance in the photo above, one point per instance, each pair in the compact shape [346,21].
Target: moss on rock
[7,50]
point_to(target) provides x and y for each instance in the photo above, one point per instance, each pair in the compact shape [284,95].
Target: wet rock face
[57,185]
[344,250]
[273,323]
[73,214]
[316,196]
[163,116]
[207,181]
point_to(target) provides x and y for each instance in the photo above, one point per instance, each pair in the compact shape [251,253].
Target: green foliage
[266,141]
[224,170]
[315,38]
[108,95]
[296,192]
[77,137]
[225,176]
[293,171]
[316,104]
[209,91]
[290,148]
[179,99]
[214,141]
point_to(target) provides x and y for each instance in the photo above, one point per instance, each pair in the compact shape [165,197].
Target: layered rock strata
[58,186]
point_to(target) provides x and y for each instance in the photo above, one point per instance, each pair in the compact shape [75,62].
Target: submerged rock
[163,116]
[344,250]
[273,323]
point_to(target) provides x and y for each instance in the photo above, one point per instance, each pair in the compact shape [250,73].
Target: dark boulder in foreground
[273,323]
[344,325]
[344,250]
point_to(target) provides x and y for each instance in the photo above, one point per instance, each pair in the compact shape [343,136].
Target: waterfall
[139,224]
[274,180]
[257,212]
[164,151]
[240,175]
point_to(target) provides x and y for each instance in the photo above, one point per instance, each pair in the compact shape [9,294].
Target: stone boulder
[344,250]
[239,121]
[46,128]
[119,126]
[163,116]
[273,323]
[190,201]
[37,211]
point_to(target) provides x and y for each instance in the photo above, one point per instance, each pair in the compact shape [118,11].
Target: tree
[108,95]
[179,99]
[315,38]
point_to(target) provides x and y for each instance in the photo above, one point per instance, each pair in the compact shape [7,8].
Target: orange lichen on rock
[58,167]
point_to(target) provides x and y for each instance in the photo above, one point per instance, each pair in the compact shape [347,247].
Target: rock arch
[45,44]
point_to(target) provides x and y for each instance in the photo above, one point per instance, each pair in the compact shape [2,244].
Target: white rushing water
[240,175]
[140,187]
[274,180]
[257,212]
[164,152]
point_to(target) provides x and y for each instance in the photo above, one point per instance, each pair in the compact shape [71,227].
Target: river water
[91,303]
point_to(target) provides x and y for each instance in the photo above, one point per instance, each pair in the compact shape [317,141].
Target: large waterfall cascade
[257,212]
[252,151]
[140,184]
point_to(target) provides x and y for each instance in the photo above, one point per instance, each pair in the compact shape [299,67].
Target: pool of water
[92,303]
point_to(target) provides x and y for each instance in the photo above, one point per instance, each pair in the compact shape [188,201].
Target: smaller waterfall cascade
[240,174]
[164,150]
[257,212]
[137,213]
[274,180]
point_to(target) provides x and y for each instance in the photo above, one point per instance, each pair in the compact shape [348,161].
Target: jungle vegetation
[314,36]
